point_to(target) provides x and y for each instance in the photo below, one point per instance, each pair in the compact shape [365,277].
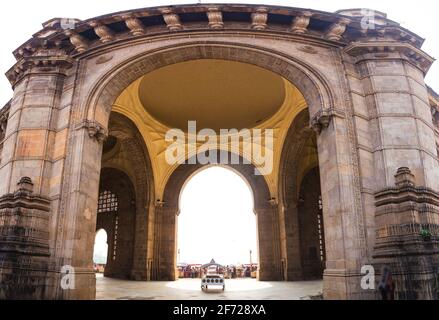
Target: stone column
[76,230]
[291,241]
[33,144]
[165,248]
[140,259]
[342,211]
[30,134]
[267,224]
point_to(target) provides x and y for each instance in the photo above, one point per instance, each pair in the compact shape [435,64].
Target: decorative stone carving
[95,130]
[3,122]
[24,243]
[172,20]
[104,33]
[259,19]
[273,202]
[321,121]
[308,49]
[25,186]
[159,203]
[215,17]
[79,42]
[404,178]
[134,24]
[300,23]
[337,30]
[59,64]
[104,59]
[402,212]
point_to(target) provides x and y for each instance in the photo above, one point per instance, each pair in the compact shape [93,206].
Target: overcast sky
[21,19]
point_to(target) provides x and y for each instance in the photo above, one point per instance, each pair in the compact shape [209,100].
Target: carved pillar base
[24,243]
[407,222]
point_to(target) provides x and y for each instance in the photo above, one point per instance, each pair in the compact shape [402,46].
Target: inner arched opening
[217,222]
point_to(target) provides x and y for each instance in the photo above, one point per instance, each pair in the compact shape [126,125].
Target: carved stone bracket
[215,17]
[134,24]
[95,130]
[300,23]
[103,32]
[172,20]
[160,203]
[79,42]
[259,19]
[273,202]
[3,121]
[337,30]
[322,119]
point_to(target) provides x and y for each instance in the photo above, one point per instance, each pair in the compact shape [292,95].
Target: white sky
[217,219]
[20,19]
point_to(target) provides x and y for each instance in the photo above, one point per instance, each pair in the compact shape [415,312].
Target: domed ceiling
[218,94]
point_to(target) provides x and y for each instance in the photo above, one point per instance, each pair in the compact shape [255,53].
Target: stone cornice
[42,63]
[342,27]
[407,194]
[387,50]
[65,38]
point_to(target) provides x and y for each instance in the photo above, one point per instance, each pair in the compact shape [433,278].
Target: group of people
[229,272]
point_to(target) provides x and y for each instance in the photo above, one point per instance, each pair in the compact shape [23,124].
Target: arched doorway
[264,208]
[116,214]
[216,220]
[100,251]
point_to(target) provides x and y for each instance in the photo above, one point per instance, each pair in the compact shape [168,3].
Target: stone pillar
[34,144]
[76,229]
[291,241]
[140,259]
[165,248]
[267,224]
[30,134]
[342,211]
[24,243]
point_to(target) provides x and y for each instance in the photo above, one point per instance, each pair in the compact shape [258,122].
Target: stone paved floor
[189,289]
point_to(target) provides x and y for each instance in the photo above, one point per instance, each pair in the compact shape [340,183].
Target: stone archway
[310,82]
[264,208]
[117,215]
[326,120]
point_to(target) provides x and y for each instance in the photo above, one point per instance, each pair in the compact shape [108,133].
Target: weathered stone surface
[365,113]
